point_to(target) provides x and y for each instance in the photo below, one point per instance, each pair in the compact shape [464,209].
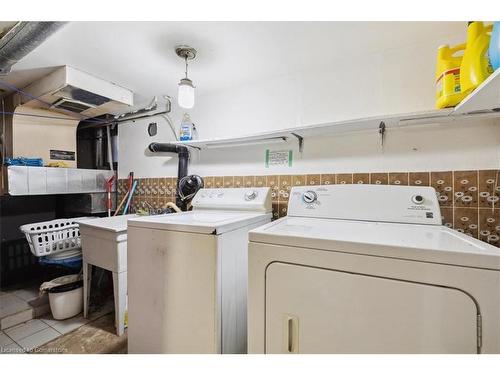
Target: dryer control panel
[246,199]
[386,203]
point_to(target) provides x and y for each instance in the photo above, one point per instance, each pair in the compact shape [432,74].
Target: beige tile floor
[19,305]
[28,336]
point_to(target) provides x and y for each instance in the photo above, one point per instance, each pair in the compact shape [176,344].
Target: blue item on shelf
[27,162]
[494,50]
[73,262]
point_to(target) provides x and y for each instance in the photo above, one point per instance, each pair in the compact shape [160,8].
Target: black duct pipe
[23,38]
[183,154]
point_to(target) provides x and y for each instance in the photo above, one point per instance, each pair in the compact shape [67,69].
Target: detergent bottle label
[186,133]
[449,77]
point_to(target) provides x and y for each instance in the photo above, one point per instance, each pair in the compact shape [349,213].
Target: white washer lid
[111,224]
[427,243]
[200,221]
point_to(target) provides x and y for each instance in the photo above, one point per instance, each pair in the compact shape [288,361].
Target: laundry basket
[50,237]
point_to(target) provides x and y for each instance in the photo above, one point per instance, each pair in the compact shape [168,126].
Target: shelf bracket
[301,141]
[381,131]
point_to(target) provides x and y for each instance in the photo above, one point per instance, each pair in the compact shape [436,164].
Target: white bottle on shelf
[186,130]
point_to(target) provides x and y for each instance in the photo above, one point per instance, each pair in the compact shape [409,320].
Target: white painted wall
[391,81]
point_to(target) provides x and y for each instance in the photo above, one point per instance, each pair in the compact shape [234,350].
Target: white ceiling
[140,55]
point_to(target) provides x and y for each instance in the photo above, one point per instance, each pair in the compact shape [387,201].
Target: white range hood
[69,90]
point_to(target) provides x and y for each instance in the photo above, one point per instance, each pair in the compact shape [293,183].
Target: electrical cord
[171,125]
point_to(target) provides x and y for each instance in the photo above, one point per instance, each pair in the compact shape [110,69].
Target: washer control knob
[417,199]
[309,196]
[250,195]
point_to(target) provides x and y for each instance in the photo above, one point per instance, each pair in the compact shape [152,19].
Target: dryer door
[313,310]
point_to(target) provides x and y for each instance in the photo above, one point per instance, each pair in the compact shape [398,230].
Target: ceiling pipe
[23,38]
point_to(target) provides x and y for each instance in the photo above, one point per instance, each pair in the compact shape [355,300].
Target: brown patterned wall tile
[465,187]
[285,185]
[162,187]
[489,188]
[174,187]
[141,188]
[379,178]
[218,182]
[147,187]
[327,179]
[120,187]
[272,181]
[361,178]
[447,216]
[249,181]
[489,226]
[443,183]
[157,205]
[313,179]
[282,209]
[162,202]
[169,187]
[260,181]
[238,182]
[419,179]
[155,187]
[466,221]
[344,178]
[299,180]
[398,178]
[147,205]
[276,211]
[208,182]
[228,181]
[134,206]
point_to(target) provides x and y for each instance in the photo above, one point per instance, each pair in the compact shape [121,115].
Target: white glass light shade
[185,97]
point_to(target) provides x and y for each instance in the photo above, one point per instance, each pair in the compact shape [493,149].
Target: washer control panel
[309,196]
[418,199]
[386,203]
[247,199]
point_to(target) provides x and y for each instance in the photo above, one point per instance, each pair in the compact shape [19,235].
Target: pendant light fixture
[185,95]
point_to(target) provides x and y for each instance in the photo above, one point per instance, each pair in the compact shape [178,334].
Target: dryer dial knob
[250,195]
[309,197]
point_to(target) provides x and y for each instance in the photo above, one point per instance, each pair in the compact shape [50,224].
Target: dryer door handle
[292,334]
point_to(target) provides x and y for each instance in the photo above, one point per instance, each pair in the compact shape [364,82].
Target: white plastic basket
[50,237]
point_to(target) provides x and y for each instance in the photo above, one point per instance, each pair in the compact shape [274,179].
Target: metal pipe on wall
[23,38]
[183,154]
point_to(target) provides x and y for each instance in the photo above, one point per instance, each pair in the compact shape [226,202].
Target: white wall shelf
[486,98]
[484,102]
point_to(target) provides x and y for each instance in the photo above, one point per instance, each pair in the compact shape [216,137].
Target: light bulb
[185,97]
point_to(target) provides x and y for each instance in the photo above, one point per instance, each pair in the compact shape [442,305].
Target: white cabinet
[314,310]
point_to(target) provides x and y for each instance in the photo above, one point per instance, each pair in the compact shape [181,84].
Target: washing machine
[187,274]
[370,269]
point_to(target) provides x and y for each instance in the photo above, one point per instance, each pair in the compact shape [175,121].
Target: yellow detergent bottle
[448,90]
[475,67]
